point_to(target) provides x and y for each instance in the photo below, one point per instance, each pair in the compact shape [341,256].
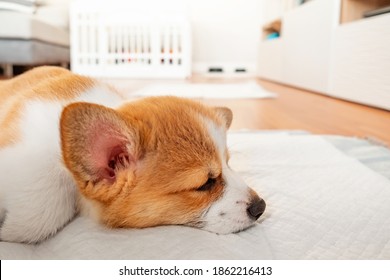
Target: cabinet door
[270,63]
[307,34]
[361,61]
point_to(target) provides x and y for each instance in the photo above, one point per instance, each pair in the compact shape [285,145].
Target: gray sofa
[33,32]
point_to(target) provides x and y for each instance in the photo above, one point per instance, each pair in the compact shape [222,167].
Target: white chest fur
[37,192]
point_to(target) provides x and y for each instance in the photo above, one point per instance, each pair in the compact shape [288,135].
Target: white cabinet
[307,44]
[346,57]
[361,61]
[270,60]
[301,56]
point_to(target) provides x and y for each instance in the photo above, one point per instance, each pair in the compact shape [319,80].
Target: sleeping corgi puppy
[70,144]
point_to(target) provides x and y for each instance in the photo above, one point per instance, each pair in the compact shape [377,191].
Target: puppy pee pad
[211,91]
[321,204]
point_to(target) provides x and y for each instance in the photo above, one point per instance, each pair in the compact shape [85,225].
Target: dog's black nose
[256,208]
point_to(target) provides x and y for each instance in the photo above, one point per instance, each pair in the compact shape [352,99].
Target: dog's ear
[96,142]
[226,114]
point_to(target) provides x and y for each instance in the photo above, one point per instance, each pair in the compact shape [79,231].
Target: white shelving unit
[360,69]
[307,44]
[328,47]
[271,60]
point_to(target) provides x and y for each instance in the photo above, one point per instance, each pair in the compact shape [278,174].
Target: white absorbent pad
[321,204]
[211,91]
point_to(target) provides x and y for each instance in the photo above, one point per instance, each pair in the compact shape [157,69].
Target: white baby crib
[116,39]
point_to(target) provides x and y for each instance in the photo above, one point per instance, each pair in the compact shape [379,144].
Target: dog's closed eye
[210,183]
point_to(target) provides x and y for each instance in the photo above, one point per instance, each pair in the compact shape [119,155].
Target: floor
[303,110]
[297,109]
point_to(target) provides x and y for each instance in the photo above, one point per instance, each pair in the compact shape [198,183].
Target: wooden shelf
[352,10]
[274,26]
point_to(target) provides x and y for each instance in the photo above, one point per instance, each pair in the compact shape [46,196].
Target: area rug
[327,198]
[202,90]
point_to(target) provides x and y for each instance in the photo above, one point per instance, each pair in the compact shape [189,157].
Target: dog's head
[157,161]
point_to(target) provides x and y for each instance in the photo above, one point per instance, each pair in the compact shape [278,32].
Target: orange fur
[48,83]
[174,157]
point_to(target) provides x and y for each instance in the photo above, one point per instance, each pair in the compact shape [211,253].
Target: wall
[225,33]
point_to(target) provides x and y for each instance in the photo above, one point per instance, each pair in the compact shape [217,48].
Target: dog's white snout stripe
[229,213]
